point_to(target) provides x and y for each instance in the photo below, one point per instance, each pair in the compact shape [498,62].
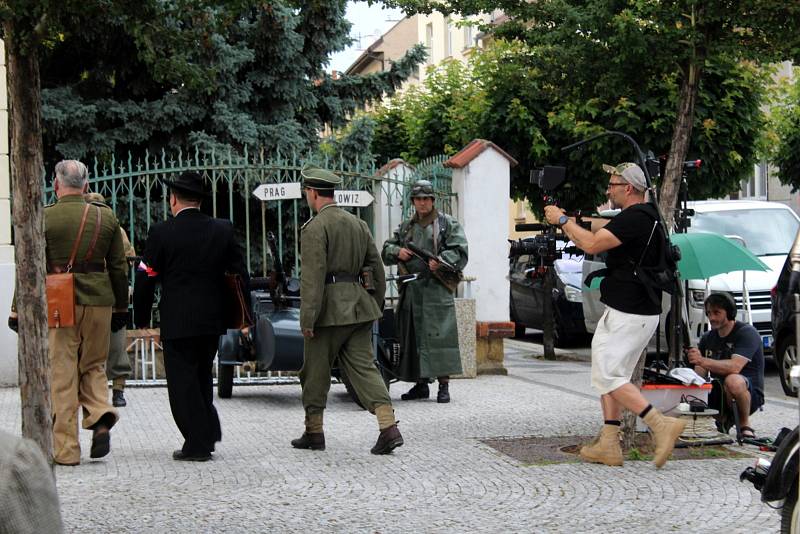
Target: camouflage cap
[630,172]
[422,189]
[94,197]
[317,178]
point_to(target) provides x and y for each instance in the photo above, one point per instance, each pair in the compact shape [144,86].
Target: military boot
[606,449]
[388,440]
[444,393]
[665,431]
[118,398]
[313,438]
[419,391]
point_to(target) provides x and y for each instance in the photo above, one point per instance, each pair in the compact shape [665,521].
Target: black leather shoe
[388,440]
[444,393]
[118,398]
[314,441]
[181,456]
[101,444]
[419,391]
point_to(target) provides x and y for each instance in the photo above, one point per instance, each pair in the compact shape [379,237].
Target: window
[766,232]
[468,37]
[449,43]
[756,186]
[429,42]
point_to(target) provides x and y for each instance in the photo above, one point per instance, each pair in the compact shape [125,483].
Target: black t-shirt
[621,290]
[744,341]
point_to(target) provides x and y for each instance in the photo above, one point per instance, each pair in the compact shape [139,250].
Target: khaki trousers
[351,347]
[77,361]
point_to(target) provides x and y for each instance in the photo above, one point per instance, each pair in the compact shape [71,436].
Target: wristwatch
[562,220]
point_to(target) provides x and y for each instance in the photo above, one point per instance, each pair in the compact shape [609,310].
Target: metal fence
[136,192]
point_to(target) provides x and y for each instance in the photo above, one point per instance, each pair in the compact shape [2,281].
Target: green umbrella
[706,254]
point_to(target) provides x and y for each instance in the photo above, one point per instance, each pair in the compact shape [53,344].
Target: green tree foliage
[223,74]
[599,47]
[506,94]
[786,123]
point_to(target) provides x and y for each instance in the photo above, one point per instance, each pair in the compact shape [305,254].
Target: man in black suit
[189,255]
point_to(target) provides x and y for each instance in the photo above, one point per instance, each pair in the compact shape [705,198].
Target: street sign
[283,191]
[357,199]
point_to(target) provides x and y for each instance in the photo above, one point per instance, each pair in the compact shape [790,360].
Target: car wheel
[224,381]
[789,513]
[786,357]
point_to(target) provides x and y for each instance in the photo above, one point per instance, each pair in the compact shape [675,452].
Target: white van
[767,229]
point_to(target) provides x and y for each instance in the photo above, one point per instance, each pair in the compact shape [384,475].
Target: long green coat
[426,316]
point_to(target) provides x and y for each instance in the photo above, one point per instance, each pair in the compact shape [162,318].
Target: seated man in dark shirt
[732,352]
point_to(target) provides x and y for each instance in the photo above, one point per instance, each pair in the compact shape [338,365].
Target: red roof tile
[472,151]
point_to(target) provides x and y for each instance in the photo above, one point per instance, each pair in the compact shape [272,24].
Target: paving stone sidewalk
[443,480]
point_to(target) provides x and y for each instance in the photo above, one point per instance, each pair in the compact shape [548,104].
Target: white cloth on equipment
[617,344]
[687,376]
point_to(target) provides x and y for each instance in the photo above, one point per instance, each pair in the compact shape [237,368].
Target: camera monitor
[548,177]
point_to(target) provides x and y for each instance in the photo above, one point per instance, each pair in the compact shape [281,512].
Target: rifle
[426,256]
[277,278]
[449,277]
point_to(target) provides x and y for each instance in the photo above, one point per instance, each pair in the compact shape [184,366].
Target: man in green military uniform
[78,353]
[337,312]
[426,316]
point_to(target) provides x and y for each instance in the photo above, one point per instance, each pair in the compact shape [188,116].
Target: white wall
[483,189]
[389,210]
[8,339]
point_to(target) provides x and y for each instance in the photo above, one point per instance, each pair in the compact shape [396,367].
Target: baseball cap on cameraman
[630,172]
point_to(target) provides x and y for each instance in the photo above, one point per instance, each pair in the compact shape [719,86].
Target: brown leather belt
[81,267]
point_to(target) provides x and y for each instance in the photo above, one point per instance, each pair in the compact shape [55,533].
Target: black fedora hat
[189,182]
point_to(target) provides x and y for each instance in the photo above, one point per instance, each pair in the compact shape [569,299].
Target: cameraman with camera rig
[632,311]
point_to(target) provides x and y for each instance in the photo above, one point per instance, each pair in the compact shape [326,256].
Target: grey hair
[72,173]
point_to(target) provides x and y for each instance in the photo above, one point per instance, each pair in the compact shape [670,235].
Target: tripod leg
[736,421]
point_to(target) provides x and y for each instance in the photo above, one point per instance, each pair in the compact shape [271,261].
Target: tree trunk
[549,322]
[628,417]
[681,136]
[24,95]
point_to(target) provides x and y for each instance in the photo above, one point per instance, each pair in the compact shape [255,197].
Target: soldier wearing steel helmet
[337,312]
[426,314]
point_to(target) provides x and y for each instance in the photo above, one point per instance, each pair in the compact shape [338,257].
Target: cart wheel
[224,381]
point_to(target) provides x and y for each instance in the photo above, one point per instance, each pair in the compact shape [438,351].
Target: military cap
[422,189]
[630,172]
[317,178]
[94,197]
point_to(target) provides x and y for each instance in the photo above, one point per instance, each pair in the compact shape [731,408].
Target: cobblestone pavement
[443,480]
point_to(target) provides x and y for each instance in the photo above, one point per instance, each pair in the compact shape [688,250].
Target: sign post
[284,191]
[356,199]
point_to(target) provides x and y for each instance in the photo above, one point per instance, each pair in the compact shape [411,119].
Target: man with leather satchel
[87,297]
[426,317]
[189,255]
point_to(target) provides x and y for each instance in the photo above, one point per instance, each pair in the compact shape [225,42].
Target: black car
[527,297]
[783,327]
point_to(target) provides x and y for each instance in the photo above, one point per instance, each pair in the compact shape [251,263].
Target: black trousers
[188,363]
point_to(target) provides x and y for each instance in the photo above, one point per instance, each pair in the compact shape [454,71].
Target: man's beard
[613,204]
